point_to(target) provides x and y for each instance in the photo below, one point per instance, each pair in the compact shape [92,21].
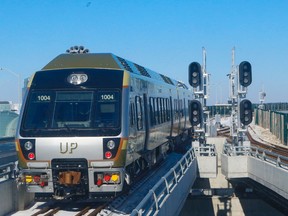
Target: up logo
[68,147]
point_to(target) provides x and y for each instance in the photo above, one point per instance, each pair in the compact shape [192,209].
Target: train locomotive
[92,122]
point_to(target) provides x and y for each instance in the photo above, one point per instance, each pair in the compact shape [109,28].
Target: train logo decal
[68,147]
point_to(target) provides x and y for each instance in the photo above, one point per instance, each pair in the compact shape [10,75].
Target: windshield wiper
[68,127]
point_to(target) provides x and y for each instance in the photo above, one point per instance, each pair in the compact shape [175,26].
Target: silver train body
[91,122]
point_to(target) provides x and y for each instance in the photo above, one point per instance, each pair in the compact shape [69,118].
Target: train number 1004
[107,97]
[43,98]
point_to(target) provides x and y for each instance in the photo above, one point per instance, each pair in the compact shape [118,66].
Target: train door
[171,115]
[146,121]
[140,122]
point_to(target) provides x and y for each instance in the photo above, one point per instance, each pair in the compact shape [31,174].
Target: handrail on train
[157,196]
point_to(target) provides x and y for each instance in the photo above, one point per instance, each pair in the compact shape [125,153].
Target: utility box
[207,160]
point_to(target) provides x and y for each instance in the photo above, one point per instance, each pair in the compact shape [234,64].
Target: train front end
[72,136]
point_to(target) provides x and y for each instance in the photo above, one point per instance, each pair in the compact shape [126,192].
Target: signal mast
[241,116]
[199,114]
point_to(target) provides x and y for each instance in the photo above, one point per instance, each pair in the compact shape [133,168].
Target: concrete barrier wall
[13,198]
[234,166]
[6,198]
[265,173]
[269,175]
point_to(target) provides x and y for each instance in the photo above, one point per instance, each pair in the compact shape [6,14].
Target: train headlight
[28,145]
[77,79]
[73,79]
[83,78]
[110,144]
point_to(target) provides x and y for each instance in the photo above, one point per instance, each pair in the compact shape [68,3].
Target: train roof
[107,60]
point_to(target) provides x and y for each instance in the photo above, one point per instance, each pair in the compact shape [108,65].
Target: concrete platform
[218,195]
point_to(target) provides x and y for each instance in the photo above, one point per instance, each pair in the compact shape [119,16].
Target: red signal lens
[108,154]
[31,156]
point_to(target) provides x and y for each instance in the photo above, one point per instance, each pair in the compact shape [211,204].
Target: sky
[162,35]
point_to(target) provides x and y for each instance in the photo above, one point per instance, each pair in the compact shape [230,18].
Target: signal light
[195,74]
[31,156]
[195,112]
[246,112]
[108,154]
[245,73]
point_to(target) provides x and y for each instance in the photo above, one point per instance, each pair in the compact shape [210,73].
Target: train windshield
[72,113]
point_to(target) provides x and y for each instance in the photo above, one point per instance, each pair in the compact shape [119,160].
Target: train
[92,122]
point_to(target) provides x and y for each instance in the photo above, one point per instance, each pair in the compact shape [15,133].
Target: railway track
[225,131]
[275,148]
[62,208]
[257,141]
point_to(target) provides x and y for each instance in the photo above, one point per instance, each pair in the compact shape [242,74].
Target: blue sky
[163,35]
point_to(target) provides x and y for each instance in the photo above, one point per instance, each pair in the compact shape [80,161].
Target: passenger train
[92,122]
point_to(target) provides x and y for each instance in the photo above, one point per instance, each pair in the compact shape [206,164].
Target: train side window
[152,111]
[185,109]
[181,114]
[160,116]
[139,113]
[175,109]
[168,109]
[155,111]
[132,114]
[164,110]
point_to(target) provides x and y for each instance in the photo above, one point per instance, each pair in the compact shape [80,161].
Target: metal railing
[157,196]
[270,157]
[8,158]
[260,153]
[7,171]
[231,150]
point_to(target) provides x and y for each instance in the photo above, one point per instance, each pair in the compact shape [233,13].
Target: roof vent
[125,64]
[181,85]
[142,70]
[77,49]
[166,79]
